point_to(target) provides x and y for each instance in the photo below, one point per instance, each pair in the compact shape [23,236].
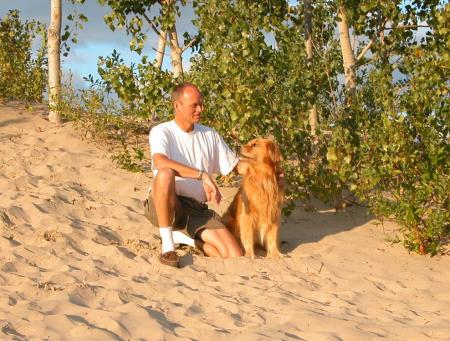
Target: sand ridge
[78,260]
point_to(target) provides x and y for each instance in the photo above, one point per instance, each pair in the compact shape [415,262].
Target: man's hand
[242,167]
[280,178]
[211,189]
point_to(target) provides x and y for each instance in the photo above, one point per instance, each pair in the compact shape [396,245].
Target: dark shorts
[190,215]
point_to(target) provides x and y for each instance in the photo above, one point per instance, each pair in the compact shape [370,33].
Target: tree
[54,54]
[161,49]
[54,60]
[133,15]
[347,53]
[309,52]
[176,53]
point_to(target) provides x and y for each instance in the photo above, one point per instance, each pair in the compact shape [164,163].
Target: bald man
[185,155]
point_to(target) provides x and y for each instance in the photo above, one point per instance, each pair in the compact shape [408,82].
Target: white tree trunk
[54,63]
[161,49]
[309,54]
[176,52]
[347,54]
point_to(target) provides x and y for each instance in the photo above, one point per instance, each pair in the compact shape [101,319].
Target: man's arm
[212,191]
[162,161]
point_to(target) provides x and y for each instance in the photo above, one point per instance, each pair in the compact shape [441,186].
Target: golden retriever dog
[254,214]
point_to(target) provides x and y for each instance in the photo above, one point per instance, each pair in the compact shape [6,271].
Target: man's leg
[206,227]
[165,200]
[223,241]
[206,248]
[164,197]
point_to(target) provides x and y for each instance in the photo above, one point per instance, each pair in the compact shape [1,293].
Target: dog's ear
[273,152]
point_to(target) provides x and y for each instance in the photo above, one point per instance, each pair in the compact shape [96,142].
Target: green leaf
[331,154]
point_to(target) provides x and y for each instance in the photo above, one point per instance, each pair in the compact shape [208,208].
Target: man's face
[189,106]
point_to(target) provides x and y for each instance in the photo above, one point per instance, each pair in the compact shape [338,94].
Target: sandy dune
[78,261]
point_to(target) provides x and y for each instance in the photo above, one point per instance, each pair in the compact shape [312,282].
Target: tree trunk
[309,53]
[54,63]
[161,49]
[176,52]
[347,54]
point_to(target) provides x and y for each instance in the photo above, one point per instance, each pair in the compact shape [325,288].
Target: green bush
[392,146]
[22,75]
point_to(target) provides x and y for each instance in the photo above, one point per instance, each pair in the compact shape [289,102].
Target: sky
[95,39]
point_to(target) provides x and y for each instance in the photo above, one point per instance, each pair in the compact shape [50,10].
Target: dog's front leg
[272,245]
[249,249]
[246,234]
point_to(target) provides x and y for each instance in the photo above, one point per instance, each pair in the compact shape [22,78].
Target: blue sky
[95,39]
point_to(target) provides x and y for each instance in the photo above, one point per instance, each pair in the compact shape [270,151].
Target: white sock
[167,239]
[180,238]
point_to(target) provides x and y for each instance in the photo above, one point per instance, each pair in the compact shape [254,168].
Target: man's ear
[176,105]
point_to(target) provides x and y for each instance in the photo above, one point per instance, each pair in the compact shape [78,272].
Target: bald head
[180,89]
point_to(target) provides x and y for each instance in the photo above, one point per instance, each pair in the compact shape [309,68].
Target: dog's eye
[255,145]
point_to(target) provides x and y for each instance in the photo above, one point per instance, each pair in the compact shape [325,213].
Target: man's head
[188,105]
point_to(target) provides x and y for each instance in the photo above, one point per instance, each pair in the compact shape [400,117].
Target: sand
[78,261]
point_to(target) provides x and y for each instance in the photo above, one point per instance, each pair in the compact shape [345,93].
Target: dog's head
[262,150]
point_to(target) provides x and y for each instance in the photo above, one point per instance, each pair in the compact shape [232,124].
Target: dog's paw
[250,255]
[275,255]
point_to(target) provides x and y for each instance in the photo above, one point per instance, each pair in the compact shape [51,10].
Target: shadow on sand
[304,227]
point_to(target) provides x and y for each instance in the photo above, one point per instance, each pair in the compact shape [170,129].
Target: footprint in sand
[5,220]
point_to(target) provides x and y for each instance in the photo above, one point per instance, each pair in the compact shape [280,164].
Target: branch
[365,49]
[407,26]
[371,41]
[158,32]
[189,44]
[156,50]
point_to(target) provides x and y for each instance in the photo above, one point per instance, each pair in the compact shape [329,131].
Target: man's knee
[215,238]
[164,186]
[234,249]
[165,176]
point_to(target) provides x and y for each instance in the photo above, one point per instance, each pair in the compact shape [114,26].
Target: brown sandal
[170,258]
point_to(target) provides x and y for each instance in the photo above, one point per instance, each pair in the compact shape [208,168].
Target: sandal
[170,258]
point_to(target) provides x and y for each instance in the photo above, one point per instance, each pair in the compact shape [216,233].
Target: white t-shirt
[203,149]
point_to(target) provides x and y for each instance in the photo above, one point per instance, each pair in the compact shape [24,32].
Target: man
[184,156]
